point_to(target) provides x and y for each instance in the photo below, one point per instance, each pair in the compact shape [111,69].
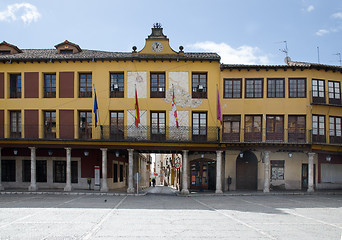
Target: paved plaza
[165,215]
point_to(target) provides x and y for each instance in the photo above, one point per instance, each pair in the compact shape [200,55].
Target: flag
[96,107]
[174,108]
[137,114]
[219,116]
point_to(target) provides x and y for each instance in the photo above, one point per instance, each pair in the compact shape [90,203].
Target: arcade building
[71,116]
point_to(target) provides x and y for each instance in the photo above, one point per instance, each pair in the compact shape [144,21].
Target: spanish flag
[137,114]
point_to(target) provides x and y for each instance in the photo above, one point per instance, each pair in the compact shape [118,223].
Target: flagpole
[218,106]
[136,109]
[97,112]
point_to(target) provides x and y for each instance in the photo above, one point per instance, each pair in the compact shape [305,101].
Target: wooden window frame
[273,131]
[334,92]
[87,86]
[318,132]
[158,127]
[251,135]
[296,132]
[254,91]
[117,122]
[117,80]
[318,94]
[228,130]
[85,127]
[49,85]
[15,85]
[294,89]
[236,89]
[273,88]
[199,131]
[16,126]
[199,79]
[157,89]
[335,129]
[50,124]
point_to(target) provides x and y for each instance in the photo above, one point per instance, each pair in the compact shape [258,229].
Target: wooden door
[247,172]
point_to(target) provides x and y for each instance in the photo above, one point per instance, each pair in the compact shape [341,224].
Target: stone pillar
[33,185]
[104,187]
[130,188]
[185,185]
[311,172]
[218,172]
[68,186]
[267,171]
[1,187]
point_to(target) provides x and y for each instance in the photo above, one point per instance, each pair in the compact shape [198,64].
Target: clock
[157,47]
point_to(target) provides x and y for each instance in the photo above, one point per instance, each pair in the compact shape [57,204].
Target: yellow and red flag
[137,114]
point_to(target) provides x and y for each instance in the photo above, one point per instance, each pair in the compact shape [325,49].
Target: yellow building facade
[54,132]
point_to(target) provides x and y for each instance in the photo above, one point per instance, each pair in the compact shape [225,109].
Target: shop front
[203,174]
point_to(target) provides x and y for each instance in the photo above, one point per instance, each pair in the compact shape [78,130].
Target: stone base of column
[266,190]
[104,189]
[185,192]
[218,192]
[130,190]
[67,188]
[1,188]
[33,188]
[310,189]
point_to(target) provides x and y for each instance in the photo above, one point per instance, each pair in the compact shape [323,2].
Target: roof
[66,42]
[11,46]
[290,65]
[94,55]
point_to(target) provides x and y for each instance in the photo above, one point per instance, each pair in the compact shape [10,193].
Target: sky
[240,31]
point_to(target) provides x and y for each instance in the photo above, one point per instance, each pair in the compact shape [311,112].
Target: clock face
[157,47]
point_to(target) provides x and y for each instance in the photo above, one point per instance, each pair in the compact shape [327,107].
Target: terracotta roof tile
[51,54]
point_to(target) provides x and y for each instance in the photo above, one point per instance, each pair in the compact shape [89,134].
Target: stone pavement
[165,190]
[166,216]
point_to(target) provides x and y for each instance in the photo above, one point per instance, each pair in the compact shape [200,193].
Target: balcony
[173,135]
[287,136]
[325,99]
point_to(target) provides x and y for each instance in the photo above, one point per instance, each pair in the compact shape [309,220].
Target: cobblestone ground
[167,216]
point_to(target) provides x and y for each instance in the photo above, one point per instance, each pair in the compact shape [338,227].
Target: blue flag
[96,107]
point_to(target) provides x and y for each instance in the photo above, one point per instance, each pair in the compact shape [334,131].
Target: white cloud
[337,15]
[229,55]
[322,32]
[310,8]
[26,11]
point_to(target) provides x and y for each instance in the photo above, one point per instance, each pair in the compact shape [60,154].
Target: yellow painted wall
[279,106]
[101,78]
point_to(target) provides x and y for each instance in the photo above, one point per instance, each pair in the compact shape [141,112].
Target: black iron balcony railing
[167,134]
[173,134]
